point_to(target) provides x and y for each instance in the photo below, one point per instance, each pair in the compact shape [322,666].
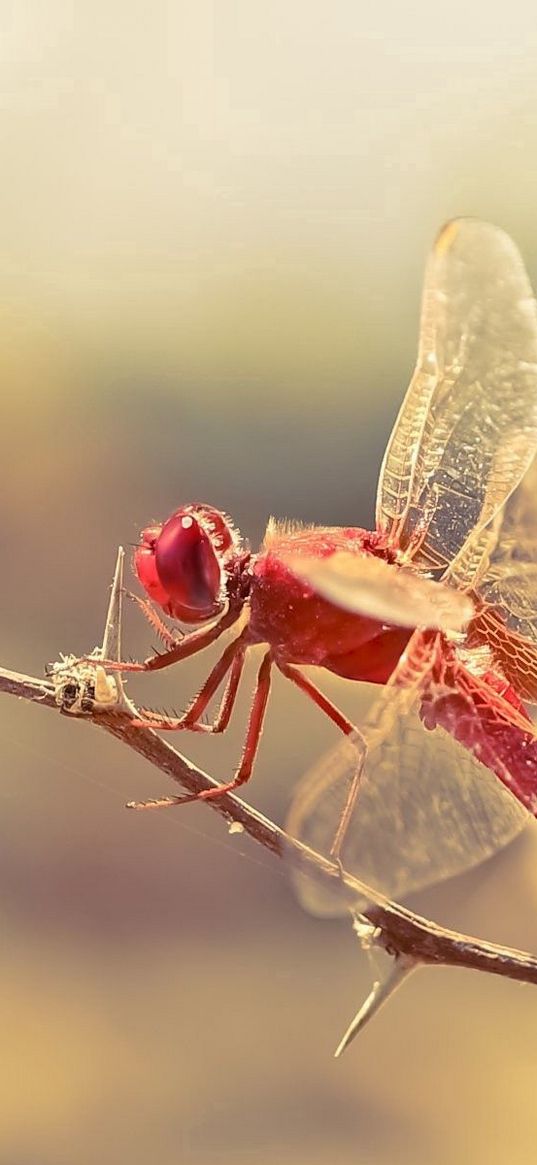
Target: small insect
[82,688]
[436,606]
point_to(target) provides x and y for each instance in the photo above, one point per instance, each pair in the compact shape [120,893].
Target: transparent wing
[368,586]
[427,809]
[506,584]
[467,430]
[511,578]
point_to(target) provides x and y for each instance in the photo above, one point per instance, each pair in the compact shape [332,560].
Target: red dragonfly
[437,605]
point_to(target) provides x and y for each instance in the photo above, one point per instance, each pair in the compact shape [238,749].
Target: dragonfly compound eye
[187,568]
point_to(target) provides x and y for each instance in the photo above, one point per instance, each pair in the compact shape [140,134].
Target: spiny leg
[232,657]
[168,637]
[190,645]
[244,771]
[223,715]
[351,732]
[157,721]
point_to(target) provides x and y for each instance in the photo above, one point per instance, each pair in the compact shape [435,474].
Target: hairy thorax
[304,628]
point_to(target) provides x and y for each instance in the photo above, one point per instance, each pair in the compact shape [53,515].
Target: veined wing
[467,430]
[507,623]
[427,809]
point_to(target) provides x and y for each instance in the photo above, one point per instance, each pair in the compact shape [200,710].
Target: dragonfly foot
[169,802]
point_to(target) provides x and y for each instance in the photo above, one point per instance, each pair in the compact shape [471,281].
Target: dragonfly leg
[232,659]
[189,645]
[352,733]
[169,638]
[253,736]
[223,716]
[360,743]
[411,671]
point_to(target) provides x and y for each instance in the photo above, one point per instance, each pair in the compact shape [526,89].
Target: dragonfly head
[188,564]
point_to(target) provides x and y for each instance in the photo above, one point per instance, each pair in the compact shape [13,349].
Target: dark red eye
[188,568]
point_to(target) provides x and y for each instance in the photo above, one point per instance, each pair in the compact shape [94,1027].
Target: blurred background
[213,224]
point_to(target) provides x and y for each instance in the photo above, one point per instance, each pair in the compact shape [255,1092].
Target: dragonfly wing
[512,654]
[507,586]
[368,586]
[510,581]
[427,809]
[467,429]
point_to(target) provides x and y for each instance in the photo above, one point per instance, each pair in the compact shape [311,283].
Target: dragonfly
[435,609]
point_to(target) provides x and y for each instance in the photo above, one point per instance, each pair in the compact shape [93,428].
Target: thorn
[111,644]
[381,991]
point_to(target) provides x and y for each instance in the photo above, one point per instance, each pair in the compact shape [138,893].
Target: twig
[411,939]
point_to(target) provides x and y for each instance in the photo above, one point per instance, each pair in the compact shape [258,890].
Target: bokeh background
[213,223]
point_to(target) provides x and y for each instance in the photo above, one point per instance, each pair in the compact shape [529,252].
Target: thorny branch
[409,938]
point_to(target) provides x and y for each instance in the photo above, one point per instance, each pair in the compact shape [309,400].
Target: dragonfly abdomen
[485,715]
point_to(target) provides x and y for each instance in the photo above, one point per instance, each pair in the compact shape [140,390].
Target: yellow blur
[213,225]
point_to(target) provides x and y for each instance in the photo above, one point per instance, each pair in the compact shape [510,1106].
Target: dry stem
[405,935]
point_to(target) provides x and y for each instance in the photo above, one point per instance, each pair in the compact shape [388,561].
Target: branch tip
[111,644]
[381,991]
